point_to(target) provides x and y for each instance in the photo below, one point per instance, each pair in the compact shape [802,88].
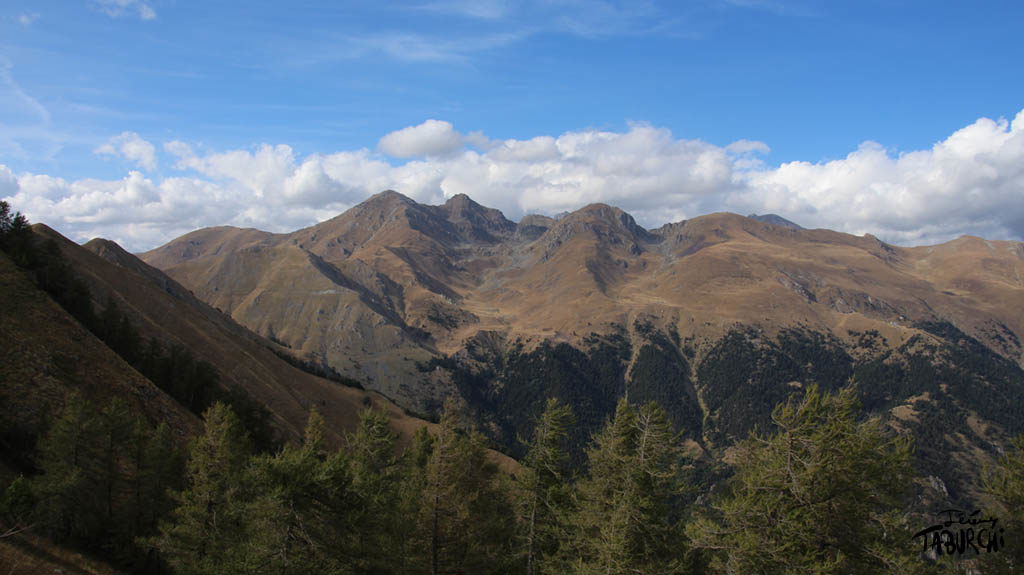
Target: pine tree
[625,519]
[816,496]
[543,491]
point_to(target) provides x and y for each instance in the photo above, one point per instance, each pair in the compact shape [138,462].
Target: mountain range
[717,317]
[401,305]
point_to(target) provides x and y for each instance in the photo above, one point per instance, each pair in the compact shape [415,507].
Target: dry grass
[45,353]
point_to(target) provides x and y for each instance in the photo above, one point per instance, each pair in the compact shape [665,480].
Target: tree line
[823,493]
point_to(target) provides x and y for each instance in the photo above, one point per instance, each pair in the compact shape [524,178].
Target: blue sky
[191,99]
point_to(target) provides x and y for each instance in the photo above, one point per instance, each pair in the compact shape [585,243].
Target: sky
[141,120]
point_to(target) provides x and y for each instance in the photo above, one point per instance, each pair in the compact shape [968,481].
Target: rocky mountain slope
[718,317]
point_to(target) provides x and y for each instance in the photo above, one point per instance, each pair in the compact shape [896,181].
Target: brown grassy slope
[163,309]
[45,353]
[309,290]
[396,266]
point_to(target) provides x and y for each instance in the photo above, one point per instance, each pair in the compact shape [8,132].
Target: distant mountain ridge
[719,317]
[424,279]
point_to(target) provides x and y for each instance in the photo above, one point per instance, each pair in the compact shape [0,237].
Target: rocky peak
[775,220]
[607,224]
[475,222]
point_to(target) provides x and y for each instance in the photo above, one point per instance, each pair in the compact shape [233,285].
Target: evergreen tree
[300,517]
[816,496]
[543,491]
[16,236]
[159,469]
[116,430]
[313,440]
[99,475]
[205,531]
[17,507]
[625,519]
[1005,483]
[464,523]
[68,485]
[376,480]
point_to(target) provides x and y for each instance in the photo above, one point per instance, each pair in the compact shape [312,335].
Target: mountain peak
[613,218]
[461,201]
[107,249]
[474,220]
[775,220]
[389,198]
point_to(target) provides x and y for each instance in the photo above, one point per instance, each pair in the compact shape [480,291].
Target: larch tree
[376,480]
[543,491]
[625,519]
[69,491]
[205,531]
[465,523]
[818,495]
[299,516]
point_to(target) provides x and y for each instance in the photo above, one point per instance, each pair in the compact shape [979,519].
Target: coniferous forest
[819,486]
[824,491]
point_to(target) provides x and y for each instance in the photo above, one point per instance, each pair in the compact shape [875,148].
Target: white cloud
[8,182]
[971,182]
[131,147]
[179,149]
[431,138]
[258,171]
[747,147]
[119,8]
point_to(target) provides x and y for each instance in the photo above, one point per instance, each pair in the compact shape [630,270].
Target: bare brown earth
[391,283]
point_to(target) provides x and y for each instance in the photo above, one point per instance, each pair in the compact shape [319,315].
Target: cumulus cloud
[431,138]
[130,146]
[972,182]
